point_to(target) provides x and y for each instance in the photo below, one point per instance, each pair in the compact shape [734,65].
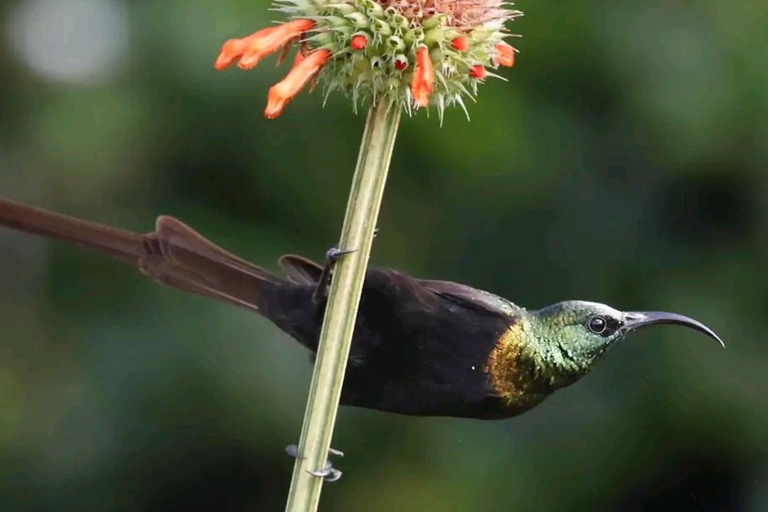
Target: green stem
[343,299]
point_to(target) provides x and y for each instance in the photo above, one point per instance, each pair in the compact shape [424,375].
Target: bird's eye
[597,324]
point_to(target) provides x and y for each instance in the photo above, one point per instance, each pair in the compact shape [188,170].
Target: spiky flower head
[414,52]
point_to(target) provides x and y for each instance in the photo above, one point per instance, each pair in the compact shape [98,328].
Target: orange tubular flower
[505,55]
[423,83]
[298,58]
[250,50]
[303,70]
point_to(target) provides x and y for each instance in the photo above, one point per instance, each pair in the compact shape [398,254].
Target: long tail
[174,254]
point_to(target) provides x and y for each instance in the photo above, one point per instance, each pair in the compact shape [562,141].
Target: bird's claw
[293,451]
[334,254]
[331,257]
[329,473]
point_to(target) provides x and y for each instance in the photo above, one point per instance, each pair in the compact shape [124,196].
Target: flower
[304,68]
[359,42]
[505,54]
[414,52]
[478,72]
[250,50]
[423,81]
[460,44]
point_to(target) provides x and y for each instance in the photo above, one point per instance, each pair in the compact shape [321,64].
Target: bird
[420,347]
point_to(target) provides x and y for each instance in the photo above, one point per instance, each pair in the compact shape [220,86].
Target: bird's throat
[524,369]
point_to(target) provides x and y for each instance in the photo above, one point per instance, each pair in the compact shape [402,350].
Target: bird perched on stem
[420,347]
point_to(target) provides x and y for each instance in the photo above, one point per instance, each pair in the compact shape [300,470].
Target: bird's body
[420,347]
[417,349]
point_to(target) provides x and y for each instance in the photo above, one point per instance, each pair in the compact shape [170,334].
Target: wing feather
[472,297]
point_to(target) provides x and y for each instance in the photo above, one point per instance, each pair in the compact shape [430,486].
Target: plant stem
[343,299]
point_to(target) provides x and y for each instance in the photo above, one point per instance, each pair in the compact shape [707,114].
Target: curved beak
[636,319]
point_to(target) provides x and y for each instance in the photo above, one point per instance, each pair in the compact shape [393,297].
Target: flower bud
[359,41]
[460,44]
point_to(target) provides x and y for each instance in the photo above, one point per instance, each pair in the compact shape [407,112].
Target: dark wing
[471,297]
[304,271]
[421,346]
[300,270]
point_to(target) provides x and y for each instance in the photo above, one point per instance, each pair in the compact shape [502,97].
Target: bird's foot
[333,255]
[329,473]
[293,451]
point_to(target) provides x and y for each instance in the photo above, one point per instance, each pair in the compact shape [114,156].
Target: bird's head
[579,332]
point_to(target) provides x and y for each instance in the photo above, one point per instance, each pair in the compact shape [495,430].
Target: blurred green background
[624,162]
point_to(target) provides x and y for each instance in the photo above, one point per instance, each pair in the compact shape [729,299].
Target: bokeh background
[625,161]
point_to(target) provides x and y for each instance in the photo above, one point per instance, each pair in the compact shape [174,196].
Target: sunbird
[420,347]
